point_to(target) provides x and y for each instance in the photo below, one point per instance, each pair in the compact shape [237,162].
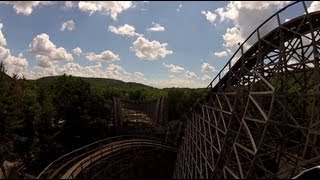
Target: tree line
[42,120]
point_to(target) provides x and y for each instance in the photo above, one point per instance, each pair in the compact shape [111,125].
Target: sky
[157,43]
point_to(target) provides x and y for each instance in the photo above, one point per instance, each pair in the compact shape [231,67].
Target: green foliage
[179,101]
[42,119]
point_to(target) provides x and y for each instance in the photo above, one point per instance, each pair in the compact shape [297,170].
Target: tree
[70,99]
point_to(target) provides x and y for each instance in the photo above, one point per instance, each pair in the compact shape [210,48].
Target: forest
[42,119]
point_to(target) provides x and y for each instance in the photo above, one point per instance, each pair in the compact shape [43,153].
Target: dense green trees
[179,100]
[42,119]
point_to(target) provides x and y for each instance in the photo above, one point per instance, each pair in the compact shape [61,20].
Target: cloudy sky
[162,44]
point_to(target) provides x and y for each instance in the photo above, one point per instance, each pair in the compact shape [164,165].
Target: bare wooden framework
[260,116]
[149,112]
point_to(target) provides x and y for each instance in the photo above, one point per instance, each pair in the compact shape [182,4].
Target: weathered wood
[267,123]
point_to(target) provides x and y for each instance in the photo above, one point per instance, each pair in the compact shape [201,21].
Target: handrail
[305,173]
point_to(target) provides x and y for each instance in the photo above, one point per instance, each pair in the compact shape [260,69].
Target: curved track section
[71,164]
[108,150]
[260,116]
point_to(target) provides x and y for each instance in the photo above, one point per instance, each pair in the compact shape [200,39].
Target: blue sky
[162,43]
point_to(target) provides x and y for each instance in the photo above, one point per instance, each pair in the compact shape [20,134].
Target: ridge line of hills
[100,82]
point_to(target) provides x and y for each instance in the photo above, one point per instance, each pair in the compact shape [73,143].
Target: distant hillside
[101,82]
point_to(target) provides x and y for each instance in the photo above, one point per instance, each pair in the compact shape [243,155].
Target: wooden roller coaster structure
[260,116]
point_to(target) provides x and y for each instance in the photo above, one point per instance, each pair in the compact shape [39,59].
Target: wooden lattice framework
[260,116]
[134,113]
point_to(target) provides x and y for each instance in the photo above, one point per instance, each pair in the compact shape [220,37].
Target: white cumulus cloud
[138,75]
[211,17]
[149,50]
[112,8]
[206,67]
[221,54]
[107,55]
[173,68]
[69,25]
[205,78]
[190,75]
[13,64]
[47,52]
[125,30]
[68,4]
[111,71]
[232,38]
[246,16]
[114,70]
[77,51]
[25,7]
[156,28]
[3,41]
[314,6]
[174,81]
